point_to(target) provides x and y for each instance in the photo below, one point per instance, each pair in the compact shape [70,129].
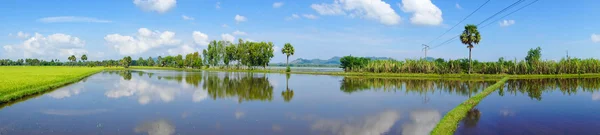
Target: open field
[19,81]
[449,123]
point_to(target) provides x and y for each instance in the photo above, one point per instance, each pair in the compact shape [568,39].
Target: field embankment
[449,123]
[19,81]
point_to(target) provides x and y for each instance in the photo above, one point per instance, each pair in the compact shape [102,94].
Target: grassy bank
[20,81]
[449,123]
[395,75]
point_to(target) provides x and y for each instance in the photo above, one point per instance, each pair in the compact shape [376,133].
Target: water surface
[174,102]
[538,107]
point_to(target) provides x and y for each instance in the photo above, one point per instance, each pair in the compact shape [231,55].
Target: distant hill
[331,62]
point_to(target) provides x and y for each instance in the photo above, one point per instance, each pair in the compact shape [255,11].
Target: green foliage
[288,50]
[469,37]
[84,57]
[532,65]
[350,63]
[150,62]
[126,61]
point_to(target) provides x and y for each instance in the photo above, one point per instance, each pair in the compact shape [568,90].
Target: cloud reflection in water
[369,125]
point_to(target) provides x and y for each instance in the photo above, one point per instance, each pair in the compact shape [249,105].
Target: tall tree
[288,50]
[141,62]
[84,57]
[126,61]
[150,61]
[470,37]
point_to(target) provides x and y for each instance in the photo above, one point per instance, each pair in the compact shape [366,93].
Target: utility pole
[425,47]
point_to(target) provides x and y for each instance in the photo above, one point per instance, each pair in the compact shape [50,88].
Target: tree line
[218,54]
[532,64]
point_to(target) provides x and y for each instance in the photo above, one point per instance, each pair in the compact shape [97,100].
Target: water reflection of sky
[173,102]
[538,107]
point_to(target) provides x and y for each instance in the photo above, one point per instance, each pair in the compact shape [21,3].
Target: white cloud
[505,23]
[310,16]
[328,9]
[160,127]
[22,35]
[144,90]
[239,18]
[142,42]
[228,37]
[293,17]
[422,122]
[51,46]
[187,17]
[199,95]
[160,6]
[184,49]
[200,38]
[218,5]
[595,38]
[239,33]
[458,6]
[370,125]
[424,12]
[370,9]
[277,4]
[225,26]
[8,48]
[64,19]
[276,50]
[72,90]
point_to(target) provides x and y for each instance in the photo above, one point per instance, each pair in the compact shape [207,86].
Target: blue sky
[111,29]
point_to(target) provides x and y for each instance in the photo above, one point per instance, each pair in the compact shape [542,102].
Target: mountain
[334,62]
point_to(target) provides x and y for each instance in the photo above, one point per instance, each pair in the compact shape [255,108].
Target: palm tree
[288,94]
[288,50]
[469,37]
[84,57]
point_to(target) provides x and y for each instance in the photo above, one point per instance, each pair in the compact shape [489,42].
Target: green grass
[449,123]
[20,81]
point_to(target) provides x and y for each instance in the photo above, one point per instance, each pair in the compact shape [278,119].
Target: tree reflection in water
[288,94]
[244,86]
[535,87]
[462,87]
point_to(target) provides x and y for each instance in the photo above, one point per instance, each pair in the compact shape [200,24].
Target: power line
[509,14]
[501,11]
[497,13]
[460,22]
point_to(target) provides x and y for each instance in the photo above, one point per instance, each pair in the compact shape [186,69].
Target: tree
[288,50]
[141,62]
[469,37]
[84,57]
[73,59]
[160,62]
[230,54]
[126,61]
[150,61]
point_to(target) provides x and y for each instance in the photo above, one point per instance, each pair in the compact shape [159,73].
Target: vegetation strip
[19,82]
[449,123]
[395,75]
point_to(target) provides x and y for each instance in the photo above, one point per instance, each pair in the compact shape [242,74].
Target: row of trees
[218,54]
[532,64]
[249,54]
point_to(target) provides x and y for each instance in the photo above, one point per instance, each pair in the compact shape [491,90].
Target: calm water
[172,102]
[538,107]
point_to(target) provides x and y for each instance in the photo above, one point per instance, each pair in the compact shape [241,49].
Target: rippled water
[173,102]
[538,107]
